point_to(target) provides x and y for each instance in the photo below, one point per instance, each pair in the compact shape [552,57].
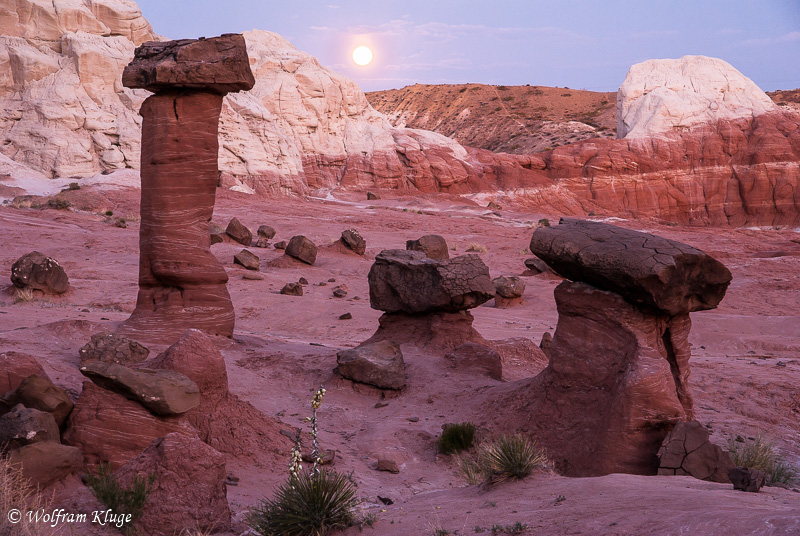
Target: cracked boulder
[410,282]
[643,268]
[687,451]
[112,348]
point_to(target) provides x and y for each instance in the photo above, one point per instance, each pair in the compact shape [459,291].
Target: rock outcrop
[688,451]
[181,284]
[618,377]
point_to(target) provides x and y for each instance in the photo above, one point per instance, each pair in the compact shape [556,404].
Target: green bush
[307,505]
[121,500]
[456,437]
[760,454]
[508,458]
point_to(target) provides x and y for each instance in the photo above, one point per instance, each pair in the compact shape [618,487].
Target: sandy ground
[745,369]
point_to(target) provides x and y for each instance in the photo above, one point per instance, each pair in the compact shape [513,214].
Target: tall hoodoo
[181,284]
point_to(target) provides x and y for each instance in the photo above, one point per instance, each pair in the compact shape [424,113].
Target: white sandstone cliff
[658,96]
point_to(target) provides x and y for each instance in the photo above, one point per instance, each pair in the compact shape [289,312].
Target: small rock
[265,231]
[494,206]
[746,479]
[292,289]
[412,419]
[302,249]
[332,280]
[353,240]
[434,246]
[303,281]
[252,276]
[390,466]
[280,245]
[239,232]
[346,316]
[40,272]
[509,286]
[340,291]
[261,242]
[323,284]
[112,348]
[246,259]
[371,196]
[379,405]
[217,233]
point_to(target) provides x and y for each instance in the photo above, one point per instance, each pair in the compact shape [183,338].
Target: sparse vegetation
[122,500]
[74,186]
[502,88]
[23,295]
[477,248]
[516,528]
[456,438]
[544,222]
[16,492]
[508,458]
[109,212]
[59,203]
[759,453]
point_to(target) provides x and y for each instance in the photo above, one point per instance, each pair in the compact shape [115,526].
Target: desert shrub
[760,454]
[477,248]
[456,437]
[462,90]
[544,222]
[17,493]
[109,212]
[307,505]
[566,94]
[509,98]
[122,500]
[509,458]
[74,186]
[502,88]
[516,528]
[58,203]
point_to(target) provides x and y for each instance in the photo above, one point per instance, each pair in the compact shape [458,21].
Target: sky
[581,44]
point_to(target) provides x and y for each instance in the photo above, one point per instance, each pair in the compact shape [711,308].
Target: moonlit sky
[582,44]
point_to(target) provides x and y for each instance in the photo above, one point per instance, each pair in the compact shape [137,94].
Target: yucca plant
[513,458]
[307,505]
[760,454]
[456,437]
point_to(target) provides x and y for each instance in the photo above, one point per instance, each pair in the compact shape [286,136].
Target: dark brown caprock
[181,284]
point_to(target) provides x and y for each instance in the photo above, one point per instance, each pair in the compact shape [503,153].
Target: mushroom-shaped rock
[642,268]
[40,272]
[163,392]
[402,281]
[434,246]
[219,64]
[265,231]
[107,346]
[380,364]
[509,286]
[302,249]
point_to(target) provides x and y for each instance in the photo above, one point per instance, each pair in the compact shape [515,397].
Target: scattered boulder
[303,281]
[409,282]
[345,316]
[109,428]
[292,289]
[261,242]
[353,240]
[15,367]
[46,462]
[39,393]
[189,490]
[547,343]
[380,364]
[746,479]
[494,206]
[163,392]
[478,357]
[509,291]
[239,232]
[643,268]
[246,259]
[390,466]
[687,451]
[302,249]
[39,272]
[112,348]
[22,426]
[372,196]
[218,234]
[340,291]
[265,231]
[252,276]
[280,245]
[434,246]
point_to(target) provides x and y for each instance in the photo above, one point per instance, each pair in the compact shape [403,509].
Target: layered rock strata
[181,284]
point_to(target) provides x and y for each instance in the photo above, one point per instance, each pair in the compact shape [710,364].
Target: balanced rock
[190,491]
[354,241]
[46,462]
[163,392]
[380,364]
[434,246]
[39,393]
[39,272]
[292,289]
[643,268]
[265,231]
[181,283]
[747,479]
[239,232]
[218,234]
[410,282]
[478,357]
[109,428]
[23,426]
[112,348]
[15,367]
[247,259]
[302,249]
[687,451]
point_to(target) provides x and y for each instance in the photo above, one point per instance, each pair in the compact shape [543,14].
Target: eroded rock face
[189,490]
[410,282]
[650,270]
[181,284]
[39,272]
[687,451]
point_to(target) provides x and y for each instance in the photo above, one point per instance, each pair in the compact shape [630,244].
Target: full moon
[362,55]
